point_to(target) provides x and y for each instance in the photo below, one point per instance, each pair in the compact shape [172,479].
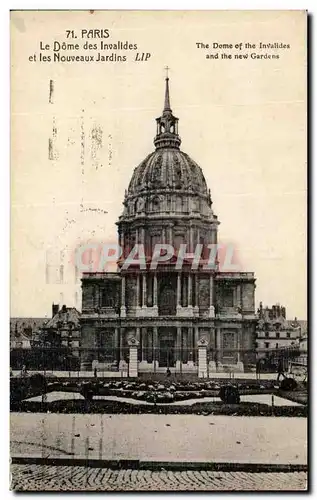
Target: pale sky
[242,121]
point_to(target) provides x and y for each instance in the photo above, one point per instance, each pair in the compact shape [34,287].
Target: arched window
[155,204]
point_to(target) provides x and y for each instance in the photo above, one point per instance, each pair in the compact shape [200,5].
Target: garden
[39,394]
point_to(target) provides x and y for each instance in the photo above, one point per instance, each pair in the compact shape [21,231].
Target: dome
[167,182]
[167,169]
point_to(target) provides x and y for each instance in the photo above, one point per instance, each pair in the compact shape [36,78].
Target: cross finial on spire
[166,69]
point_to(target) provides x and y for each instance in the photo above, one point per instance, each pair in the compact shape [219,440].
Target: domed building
[170,301]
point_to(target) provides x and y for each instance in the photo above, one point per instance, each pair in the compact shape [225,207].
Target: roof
[167,169]
[25,326]
[65,314]
[299,323]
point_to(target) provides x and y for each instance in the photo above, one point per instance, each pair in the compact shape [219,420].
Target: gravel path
[161,437]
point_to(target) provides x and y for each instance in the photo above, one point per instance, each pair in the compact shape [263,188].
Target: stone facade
[274,331]
[63,330]
[177,315]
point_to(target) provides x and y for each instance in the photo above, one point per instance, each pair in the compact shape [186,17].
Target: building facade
[23,330]
[275,331]
[62,330]
[168,310]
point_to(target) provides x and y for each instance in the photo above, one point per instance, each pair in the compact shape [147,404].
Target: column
[144,291]
[121,343]
[123,308]
[97,297]
[178,347]
[137,290]
[212,360]
[173,203]
[190,346]
[196,293]
[133,357]
[218,349]
[155,290]
[163,233]
[191,239]
[170,233]
[178,304]
[240,365]
[122,241]
[196,337]
[189,291]
[122,363]
[116,344]
[238,298]
[198,235]
[155,347]
[211,297]
[137,336]
[202,358]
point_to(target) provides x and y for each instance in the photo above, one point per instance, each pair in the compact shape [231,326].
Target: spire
[167,106]
[167,124]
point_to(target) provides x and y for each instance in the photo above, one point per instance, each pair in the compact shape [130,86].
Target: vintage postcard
[158,329]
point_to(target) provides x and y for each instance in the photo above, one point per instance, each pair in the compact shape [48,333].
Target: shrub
[229,394]
[18,390]
[288,384]
[37,382]
[87,390]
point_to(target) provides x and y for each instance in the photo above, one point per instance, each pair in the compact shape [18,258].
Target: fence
[113,361]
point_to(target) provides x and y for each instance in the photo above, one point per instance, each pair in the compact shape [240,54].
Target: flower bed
[150,392]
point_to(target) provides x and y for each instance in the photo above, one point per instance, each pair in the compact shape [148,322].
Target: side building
[274,331]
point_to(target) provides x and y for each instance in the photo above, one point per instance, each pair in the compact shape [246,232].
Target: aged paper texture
[158,331]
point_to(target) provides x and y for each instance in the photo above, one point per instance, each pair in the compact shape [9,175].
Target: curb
[155,465]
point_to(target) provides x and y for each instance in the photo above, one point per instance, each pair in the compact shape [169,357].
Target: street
[58,478]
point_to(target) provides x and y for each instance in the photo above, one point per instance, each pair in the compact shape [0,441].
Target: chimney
[274,311]
[55,309]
